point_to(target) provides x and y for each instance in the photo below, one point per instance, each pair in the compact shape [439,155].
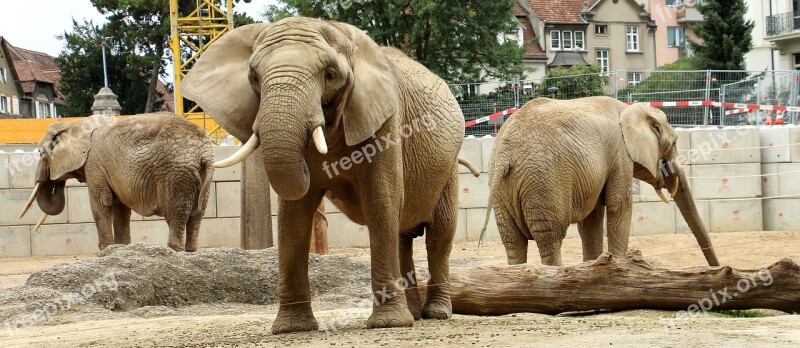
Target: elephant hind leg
[193,232]
[514,241]
[122,223]
[439,242]
[408,271]
[177,222]
[591,231]
[548,234]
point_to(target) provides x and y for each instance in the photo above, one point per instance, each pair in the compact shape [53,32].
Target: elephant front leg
[101,203]
[122,223]
[294,237]
[382,201]
[618,210]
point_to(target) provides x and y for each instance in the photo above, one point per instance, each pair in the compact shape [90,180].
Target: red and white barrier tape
[738,108]
[493,116]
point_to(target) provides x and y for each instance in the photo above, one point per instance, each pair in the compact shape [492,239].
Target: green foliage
[138,32]
[725,34]
[739,314]
[576,81]
[81,66]
[456,39]
[675,76]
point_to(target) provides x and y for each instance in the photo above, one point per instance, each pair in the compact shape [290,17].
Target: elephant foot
[190,248]
[438,308]
[177,246]
[296,318]
[386,316]
[414,305]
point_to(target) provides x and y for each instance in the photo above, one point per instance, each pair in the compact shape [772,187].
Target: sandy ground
[231,324]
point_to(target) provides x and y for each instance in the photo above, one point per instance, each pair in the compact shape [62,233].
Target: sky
[34,24]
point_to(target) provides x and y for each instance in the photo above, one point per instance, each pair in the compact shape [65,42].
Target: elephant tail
[498,168]
[206,175]
[469,166]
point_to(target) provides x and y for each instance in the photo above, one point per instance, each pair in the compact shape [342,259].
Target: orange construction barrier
[768,122]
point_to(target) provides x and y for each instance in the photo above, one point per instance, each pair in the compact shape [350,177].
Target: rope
[742,176]
[742,148]
[728,199]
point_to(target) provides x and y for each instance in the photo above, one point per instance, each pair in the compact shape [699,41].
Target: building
[614,34]
[28,83]
[776,36]
[674,19]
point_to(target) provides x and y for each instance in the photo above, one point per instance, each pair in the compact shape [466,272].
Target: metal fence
[711,87]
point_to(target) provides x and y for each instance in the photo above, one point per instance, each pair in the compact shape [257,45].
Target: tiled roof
[560,11]
[534,50]
[32,67]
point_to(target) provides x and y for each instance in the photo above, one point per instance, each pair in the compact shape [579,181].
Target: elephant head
[63,149]
[651,144]
[284,85]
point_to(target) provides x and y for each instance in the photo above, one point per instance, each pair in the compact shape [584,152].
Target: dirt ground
[225,297]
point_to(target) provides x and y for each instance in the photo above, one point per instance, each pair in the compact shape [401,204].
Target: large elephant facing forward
[559,162]
[154,164]
[332,112]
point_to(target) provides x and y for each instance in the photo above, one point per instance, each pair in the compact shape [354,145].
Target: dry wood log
[610,283]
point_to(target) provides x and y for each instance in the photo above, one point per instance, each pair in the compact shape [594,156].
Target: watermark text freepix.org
[367,152]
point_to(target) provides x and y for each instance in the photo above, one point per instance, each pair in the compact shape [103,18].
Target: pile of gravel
[128,277]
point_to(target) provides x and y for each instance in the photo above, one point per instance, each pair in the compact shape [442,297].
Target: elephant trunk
[50,196]
[285,126]
[685,202]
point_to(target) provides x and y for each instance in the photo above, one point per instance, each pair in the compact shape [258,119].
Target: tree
[456,39]
[726,35]
[81,64]
[576,81]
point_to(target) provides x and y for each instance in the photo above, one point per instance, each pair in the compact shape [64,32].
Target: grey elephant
[557,162]
[331,111]
[154,164]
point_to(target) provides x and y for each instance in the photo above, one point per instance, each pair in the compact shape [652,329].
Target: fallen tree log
[610,283]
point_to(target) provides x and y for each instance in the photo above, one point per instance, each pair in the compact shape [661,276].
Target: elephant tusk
[240,155]
[661,195]
[319,140]
[675,189]
[41,221]
[30,200]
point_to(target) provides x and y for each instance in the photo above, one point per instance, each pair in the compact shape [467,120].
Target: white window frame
[634,78]
[567,44]
[555,40]
[582,46]
[632,38]
[679,41]
[605,29]
[674,2]
[3,75]
[603,62]
[4,104]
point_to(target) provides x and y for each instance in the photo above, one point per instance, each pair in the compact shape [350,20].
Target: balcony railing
[783,23]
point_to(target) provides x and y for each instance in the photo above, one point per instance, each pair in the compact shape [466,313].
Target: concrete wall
[738,186]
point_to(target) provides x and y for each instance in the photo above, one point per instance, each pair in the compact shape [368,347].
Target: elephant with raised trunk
[333,113]
[154,164]
[557,162]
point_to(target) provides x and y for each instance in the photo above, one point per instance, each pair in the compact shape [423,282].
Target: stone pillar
[105,103]
[256,223]
[319,231]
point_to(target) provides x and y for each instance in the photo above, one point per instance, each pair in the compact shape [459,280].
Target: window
[579,40]
[601,29]
[602,61]
[676,36]
[512,35]
[567,42]
[4,104]
[633,39]
[674,2]
[43,107]
[796,61]
[555,39]
[3,72]
[634,78]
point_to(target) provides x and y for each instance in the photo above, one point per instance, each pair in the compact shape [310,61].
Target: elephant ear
[640,131]
[220,81]
[374,96]
[68,144]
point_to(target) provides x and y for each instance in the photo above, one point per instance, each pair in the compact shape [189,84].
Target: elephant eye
[330,74]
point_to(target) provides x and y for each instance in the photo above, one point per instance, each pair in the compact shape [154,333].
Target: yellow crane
[191,34]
